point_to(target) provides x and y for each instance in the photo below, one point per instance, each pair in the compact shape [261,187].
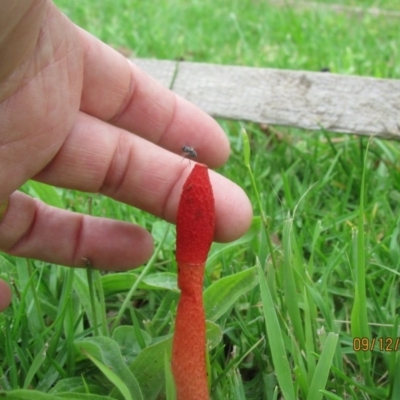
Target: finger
[98,157]
[32,229]
[5,295]
[116,90]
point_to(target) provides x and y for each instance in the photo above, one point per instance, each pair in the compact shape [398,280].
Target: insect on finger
[189,152]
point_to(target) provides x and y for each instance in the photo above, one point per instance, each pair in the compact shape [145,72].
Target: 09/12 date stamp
[377,344]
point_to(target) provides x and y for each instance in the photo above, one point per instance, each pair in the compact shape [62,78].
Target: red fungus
[194,233]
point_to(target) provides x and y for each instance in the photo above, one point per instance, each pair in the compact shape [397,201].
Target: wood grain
[309,100]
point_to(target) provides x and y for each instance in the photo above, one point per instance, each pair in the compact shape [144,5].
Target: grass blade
[36,364]
[359,318]
[170,390]
[144,272]
[323,367]
[290,289]
[274,331]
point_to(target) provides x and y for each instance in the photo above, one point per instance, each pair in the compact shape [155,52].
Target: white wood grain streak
[338,8]
[309,100]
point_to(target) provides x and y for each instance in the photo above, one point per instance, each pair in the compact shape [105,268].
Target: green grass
[288,304]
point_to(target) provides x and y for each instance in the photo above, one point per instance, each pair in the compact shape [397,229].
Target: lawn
[306,305]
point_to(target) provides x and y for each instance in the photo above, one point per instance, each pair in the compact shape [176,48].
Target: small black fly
[190,151]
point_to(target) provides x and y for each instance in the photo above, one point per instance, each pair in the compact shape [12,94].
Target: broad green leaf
[123,281]
[323,367]
[213,334]
[117,283]
[148,368]
[162,280]
[77,384]
[111,376]
[105,354]
[125,336]
[222,294]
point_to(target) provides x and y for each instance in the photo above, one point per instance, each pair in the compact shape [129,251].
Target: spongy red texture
[195,220]
[189,344]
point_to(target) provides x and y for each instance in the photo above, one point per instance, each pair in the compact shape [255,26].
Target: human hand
[76,114]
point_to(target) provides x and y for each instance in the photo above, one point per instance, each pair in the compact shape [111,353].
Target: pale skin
[74,113]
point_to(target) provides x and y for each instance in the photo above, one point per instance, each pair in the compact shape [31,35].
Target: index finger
[130,169]
[116,90]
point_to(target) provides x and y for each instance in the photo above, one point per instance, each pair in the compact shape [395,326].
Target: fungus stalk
[195,232]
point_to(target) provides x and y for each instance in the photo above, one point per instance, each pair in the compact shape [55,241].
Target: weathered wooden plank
[162,70]
[338,8]
[309,100]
